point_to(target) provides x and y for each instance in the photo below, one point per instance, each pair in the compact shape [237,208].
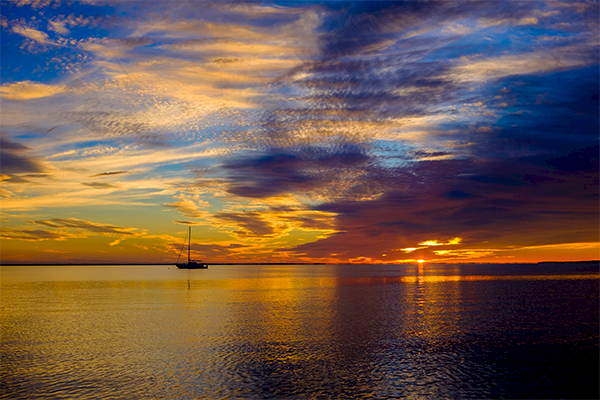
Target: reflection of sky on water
[282,331]
[357,334]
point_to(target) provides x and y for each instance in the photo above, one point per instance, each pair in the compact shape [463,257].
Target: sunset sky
[379,132]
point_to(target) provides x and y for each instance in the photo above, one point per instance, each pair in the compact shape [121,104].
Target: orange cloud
[27,90]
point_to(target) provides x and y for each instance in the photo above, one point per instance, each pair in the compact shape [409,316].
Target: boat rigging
[190,264]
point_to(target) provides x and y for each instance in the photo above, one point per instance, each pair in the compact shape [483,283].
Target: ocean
[473,331]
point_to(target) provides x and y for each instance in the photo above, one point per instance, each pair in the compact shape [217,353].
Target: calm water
[324,331]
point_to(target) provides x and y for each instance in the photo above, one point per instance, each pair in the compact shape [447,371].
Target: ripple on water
[286,336]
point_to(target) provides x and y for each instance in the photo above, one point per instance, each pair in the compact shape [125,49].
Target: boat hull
[192,265]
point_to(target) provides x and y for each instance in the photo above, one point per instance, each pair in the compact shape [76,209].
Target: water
[323,331]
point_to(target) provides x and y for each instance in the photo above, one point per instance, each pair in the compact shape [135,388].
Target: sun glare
[421,261]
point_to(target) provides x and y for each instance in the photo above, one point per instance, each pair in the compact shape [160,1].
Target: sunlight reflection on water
[300,331]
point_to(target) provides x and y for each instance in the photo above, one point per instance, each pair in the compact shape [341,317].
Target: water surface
[264,331]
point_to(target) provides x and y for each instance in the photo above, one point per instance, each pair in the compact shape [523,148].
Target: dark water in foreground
[437,331]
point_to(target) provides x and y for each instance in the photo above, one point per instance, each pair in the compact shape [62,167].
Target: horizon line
[287,263]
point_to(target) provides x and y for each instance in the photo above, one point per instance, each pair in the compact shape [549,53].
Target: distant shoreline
[173,264]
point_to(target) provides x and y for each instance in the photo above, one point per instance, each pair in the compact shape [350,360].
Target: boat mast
[189,244]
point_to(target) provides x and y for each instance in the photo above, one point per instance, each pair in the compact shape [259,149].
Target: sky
[337,132]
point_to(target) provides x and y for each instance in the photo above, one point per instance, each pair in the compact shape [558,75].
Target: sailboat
[190,264]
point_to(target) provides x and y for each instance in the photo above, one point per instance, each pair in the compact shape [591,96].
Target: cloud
[109,173]
[33,3]
[486,211]
[149,172]
[459,29]
[266,226]
[251,223]
[215,252]
[479,70]
[188,222]
[33,235]
[308,171]
[58,27]
[17,164]
[6,194]
[189,207]
[68,228]
[312,221]
[88,226]
[528,21]
[182,59]
[46,196]
[100,185]
[465,254]
[48,223]
[565,246]
[27,90]
[33,34]
[435,242]
[251,10]
[113,48]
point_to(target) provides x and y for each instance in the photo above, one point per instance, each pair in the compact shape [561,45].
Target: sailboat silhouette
[190,264]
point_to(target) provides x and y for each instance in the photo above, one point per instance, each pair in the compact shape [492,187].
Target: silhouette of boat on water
[190,264]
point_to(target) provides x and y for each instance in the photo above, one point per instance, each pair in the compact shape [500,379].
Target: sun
[421,261]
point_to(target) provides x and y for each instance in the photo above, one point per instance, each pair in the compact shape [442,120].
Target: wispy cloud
[86,225]
[109,173]
[100,185]
[28,90]
[33,235]
[33,34]
[478,70]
